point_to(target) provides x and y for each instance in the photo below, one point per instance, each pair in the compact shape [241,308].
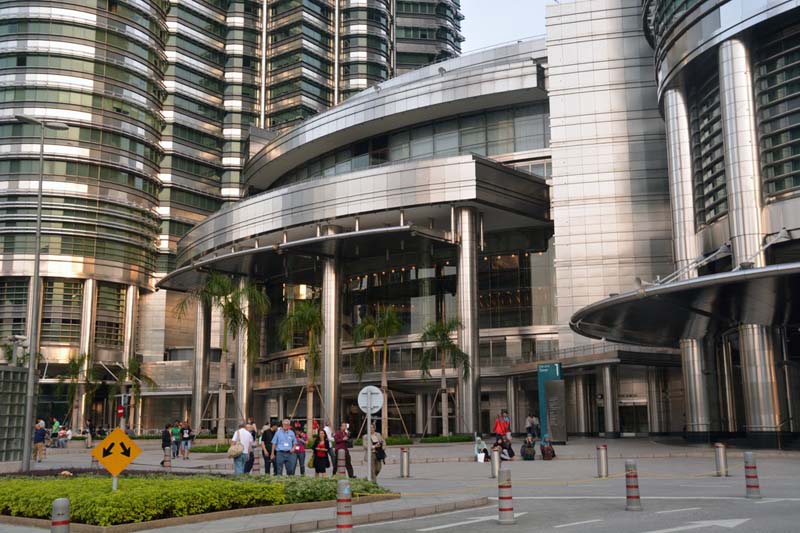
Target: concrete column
[727,394]
[681,190]
[761,397]
[419,427]
[281,406]
[331,318]
[86,346]
[202,347]
[581,406]
[511,401]
[428,412]
[467,302]
[129,338]
[698,419]
[610,409]
[740,145]
[244,368]
[657,411]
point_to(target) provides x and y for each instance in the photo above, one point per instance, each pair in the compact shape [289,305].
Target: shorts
[186,444]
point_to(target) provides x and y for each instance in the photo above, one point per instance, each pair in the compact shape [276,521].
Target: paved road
[562,496]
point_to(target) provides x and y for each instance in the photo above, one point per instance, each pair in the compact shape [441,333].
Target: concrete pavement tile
[305,526]
[402,513]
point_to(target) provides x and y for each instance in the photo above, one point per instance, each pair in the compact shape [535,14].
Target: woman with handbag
[239,450]
[320,455]
[378,451]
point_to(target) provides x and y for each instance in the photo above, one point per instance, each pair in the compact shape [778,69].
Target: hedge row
[146,498]
[451,438]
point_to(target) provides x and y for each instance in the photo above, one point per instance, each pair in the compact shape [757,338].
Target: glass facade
[108,327]
[61,312]
[488,134]
[777,87]
[13,306]
[710,192]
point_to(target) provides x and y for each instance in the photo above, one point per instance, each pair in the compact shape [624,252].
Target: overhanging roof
[661,315]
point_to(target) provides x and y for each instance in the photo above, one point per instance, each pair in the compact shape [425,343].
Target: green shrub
[451,438]
[151,497]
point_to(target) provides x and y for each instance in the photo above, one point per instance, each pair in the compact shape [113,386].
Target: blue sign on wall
[545,372]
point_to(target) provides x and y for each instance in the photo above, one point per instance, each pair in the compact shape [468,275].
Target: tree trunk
[445,409]
[222,399]
[385,390]
[310,407]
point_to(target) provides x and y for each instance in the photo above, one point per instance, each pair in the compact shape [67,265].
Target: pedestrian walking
[378,451]
[166,441]
[283,443]
[321,448]
[331,443]
[186,439]
[300,448]
[39,438]
[341,439]
[176,439]
[267,432]
[243,437]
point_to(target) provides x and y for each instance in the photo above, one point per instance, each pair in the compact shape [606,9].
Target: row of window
[312,6]
[204,81]
[212,55]
[298,57]
[90,208]
[90,171]
[96,68]
[199,138]
[322,38]
[192,167]
[213,27]
[83,134]
[85,100]
[301,85]
[13,306]
[95,35]
[80,246]
[491,133]
[189,198]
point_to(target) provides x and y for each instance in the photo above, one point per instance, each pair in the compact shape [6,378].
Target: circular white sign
[376,399]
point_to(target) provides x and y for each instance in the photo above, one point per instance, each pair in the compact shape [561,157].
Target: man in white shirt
[331,442]
[243,437]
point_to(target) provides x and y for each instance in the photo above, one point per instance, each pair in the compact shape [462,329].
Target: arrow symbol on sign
[125,450]
[730,524]
[107,451]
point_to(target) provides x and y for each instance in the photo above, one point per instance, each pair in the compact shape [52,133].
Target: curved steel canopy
[661,315]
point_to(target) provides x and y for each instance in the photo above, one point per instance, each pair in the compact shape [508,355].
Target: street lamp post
[35,308]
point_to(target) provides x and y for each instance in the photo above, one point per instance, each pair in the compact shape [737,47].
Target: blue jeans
[238,463]
[285,459]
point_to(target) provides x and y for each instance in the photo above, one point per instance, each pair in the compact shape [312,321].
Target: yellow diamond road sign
[116,452]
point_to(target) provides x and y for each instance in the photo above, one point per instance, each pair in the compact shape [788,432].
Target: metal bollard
[405,463]
[341,463]
[59,519]
[256,462]
[602,461]
[751,476]
[505,503]
[632,500]
[167,462]
[495,464]
[721,458]
[344,505]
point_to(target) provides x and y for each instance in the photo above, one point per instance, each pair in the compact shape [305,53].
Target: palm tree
[130,380]
[439,333]
[238,305]
[306,316]
[378,328]
[78,384]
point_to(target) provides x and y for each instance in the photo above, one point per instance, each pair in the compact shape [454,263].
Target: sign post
[115,453]
[370,400]
[546,372]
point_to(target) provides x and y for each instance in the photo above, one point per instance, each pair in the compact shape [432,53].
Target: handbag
[380,454]
[350,442]
[235,450]
[310,463]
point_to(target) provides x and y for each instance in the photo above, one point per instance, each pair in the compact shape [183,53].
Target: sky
[491,22]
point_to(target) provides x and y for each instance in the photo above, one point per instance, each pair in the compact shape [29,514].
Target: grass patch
[210,448]
[451,438]
[390,441]
[153,497]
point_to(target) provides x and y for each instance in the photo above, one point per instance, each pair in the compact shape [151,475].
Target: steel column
[331,317]
[467,298]
[656,401]
[728,398]
[86,346]
[694,384]
[420,414]
[740,146]
[761,398]
[679,170]
[511,400]
[610,410]
[581,409]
